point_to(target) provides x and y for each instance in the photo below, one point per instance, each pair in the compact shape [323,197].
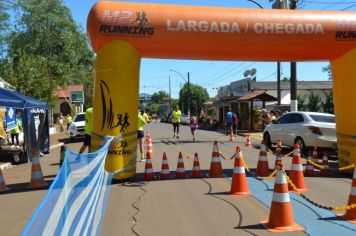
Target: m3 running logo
[346,30]
[126,23]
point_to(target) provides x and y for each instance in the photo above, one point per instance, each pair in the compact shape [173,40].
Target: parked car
[304,128]
[184,120]
[77,128]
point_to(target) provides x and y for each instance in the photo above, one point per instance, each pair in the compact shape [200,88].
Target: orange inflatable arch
[123,33]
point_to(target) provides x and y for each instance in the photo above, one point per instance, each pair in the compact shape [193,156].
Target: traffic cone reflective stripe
[296,171]
[350,214]
[196,173]
[180,173]
[262,164]
[315,155]
[232,136]
[165,173]
[279,155]
[3,186]
[248,141]
[325,163]
[239,183]
[149,146]
[215,165]
[309,169]
[281,214]
[149,174]
[37,179]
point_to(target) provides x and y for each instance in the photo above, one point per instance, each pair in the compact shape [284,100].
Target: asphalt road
[174,207]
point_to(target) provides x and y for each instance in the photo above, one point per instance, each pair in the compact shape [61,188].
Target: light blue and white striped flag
[76,200]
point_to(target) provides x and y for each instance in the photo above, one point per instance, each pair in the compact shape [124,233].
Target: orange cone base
[294,227]
[343,216]
[216,175]
[37,185]
[239,193]
[181,176]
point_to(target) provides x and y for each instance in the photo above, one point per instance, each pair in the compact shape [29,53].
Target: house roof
[285,85]
[65,92]
[263,96]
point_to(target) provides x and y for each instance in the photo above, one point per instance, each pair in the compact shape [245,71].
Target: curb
[57,145]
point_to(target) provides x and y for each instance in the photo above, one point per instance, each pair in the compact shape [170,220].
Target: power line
[228,73]
[348,7]
[332,3]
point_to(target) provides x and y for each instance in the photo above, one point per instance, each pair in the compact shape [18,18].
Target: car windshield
[321,118]
[80,117]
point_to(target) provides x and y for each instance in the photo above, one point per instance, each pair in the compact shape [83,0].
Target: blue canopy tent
[34,117]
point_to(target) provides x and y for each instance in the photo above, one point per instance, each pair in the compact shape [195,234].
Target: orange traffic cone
[281,215]
[37,179]
[232,136]
[165,173]
[350,214]
[262,164]
[215,165]
[296,171]
[325,164]
[149,146]
[239,183]
[315,158]
[196,173]
[3,186]
[309,169]
[149,174]
[279,155]
[180,173]
[248,141]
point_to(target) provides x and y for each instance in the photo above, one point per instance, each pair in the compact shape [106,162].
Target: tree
[4,26]
[48,46]
[285,78]
[158,96]
[328,105]
[198,95]
[327,69]
[314,102]
[153,108]
[301,102]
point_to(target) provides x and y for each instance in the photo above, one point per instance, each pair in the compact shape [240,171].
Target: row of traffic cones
[37,179]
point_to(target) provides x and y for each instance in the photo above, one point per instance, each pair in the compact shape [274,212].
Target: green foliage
[198,95]
[4,25]
[314,102]
[211,111]
[327,69]
[328,105]
[158,96]
[256,115]
[301,101]
[285,78]
[153,108]
[47,50]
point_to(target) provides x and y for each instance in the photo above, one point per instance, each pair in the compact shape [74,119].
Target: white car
[304,128]
[184,120]
[76,129]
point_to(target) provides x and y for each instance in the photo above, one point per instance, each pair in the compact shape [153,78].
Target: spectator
[176,118]
[15,134]
[68,120]
[61,122]
[88,127]
[272,117]
[234,123]
[265,118]
[228,121]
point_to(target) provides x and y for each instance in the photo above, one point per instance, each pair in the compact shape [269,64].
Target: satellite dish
[247,73]
[253,72]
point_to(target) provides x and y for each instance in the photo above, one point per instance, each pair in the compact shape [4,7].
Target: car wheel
[301,144]
[267,140]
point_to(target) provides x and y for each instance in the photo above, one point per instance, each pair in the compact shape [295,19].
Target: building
[145,99]
[70,100]
[246,97]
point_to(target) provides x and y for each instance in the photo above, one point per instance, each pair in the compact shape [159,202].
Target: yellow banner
[2,122]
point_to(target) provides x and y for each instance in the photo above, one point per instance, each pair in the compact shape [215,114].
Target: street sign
[77,97]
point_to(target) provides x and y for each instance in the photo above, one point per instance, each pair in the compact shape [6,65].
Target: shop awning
[262,96]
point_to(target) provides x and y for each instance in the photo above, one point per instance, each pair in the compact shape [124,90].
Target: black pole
[279,83]
[293,73]
[170,96]
[188,96]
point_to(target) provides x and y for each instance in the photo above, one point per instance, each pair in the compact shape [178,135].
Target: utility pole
[170,96]
[293,72]
[188,96]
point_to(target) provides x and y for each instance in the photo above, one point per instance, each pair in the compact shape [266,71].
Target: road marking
[56,145]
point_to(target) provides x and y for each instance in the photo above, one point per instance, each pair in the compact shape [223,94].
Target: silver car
[304,128]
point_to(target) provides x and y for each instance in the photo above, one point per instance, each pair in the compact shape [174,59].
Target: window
[321,118]
[80,117]
[290,118]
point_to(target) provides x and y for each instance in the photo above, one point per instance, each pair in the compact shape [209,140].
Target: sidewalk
[258,136]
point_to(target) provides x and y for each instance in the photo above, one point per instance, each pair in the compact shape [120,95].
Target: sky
[155,73]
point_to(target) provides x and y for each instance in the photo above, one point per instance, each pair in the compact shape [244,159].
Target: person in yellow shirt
[68,120]
[15,134]
[141,134]
[88,127]
[176,118]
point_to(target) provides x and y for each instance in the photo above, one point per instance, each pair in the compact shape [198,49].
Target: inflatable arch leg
[115,104]
[344,79]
